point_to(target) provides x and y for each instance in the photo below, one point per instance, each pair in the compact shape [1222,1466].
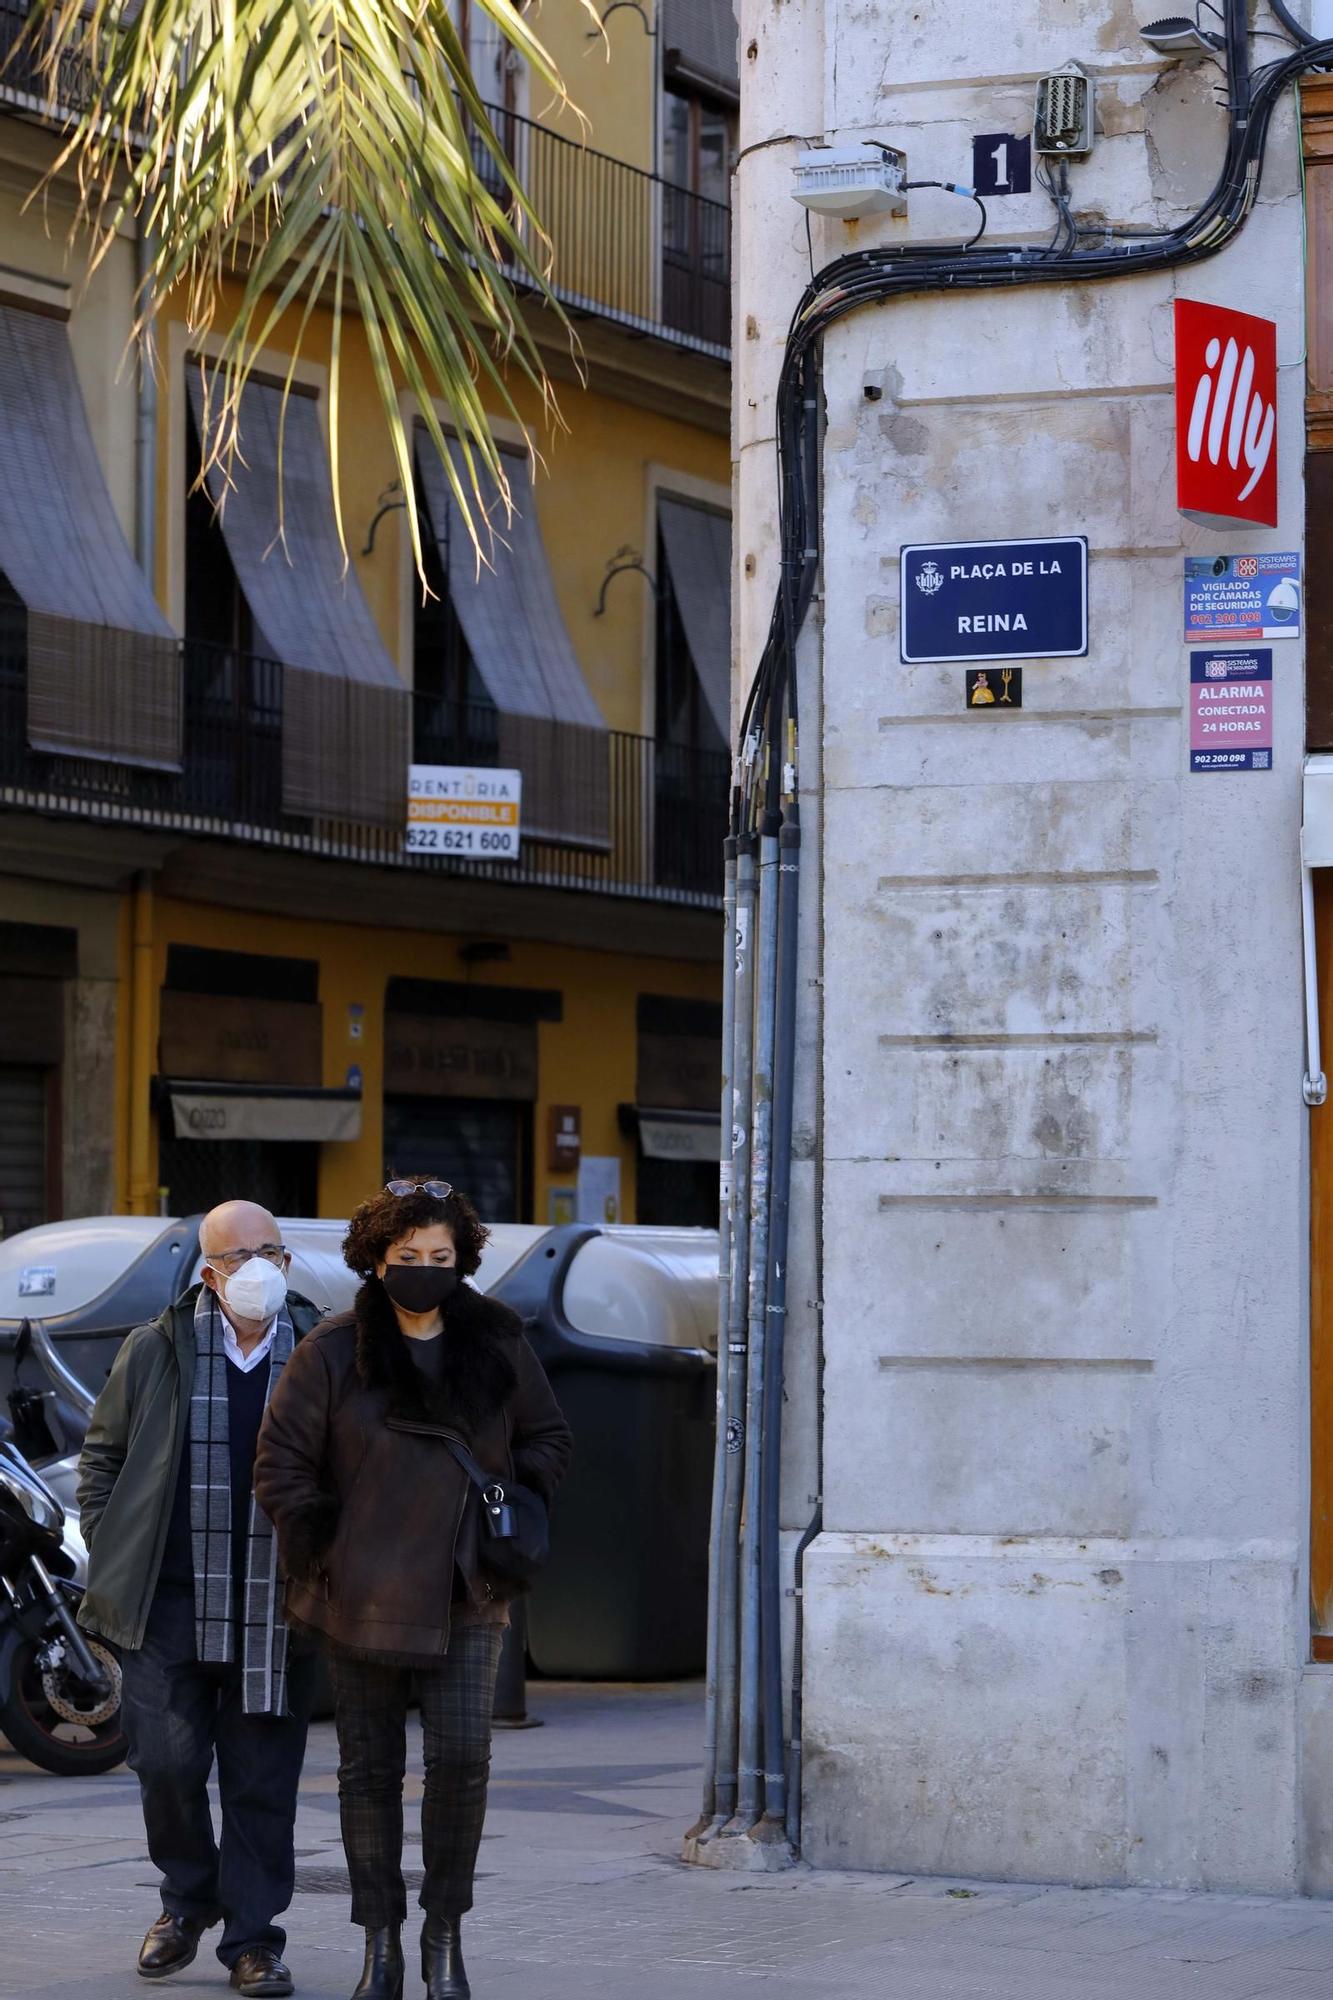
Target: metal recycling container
[624,1321]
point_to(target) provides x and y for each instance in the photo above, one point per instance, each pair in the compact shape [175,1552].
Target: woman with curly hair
[377,1526]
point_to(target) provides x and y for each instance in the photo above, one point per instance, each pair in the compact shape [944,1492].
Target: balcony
[630,248]
[668,805]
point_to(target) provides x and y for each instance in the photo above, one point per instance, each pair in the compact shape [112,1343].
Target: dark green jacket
[130,1461]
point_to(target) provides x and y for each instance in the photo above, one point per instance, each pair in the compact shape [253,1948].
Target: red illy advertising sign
[1226,415]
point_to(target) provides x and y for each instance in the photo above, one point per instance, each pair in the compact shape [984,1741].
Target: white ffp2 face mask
[256,1291]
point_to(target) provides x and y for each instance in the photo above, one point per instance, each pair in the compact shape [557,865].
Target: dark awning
[201,1109]
[697,541]
[551,728]
[345,712]
[699,43]
[104,671]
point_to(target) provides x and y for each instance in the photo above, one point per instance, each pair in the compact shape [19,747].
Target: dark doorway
[677,1194]
[199,1173]
[484,1148]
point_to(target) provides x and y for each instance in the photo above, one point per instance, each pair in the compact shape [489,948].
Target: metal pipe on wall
[748,1802]
[726,1553]
[724,1321]
[143,1038]
[145,421]
[770,1500]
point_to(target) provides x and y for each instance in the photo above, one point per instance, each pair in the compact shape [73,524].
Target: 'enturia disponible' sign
[994,600]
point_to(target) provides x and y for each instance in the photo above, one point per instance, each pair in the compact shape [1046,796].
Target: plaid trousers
[370,1701]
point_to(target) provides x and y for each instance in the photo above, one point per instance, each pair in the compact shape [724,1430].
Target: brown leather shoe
[259,1974]
[171,1944]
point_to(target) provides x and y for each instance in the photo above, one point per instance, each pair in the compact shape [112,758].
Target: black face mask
[420,1288]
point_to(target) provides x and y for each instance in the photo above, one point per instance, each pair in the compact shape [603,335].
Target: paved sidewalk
[581,1897]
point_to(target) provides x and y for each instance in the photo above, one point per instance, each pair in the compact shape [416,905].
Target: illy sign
[1226,415]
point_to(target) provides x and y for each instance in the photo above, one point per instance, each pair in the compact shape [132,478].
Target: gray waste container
[625,1323]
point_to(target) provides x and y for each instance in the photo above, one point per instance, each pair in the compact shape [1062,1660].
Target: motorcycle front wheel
[48,1719]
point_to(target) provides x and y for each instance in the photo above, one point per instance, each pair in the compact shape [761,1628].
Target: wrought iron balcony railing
[629,246]
[667,804]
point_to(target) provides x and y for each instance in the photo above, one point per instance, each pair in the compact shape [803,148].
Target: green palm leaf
[328,154]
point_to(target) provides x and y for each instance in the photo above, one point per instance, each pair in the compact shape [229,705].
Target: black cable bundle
[871,277]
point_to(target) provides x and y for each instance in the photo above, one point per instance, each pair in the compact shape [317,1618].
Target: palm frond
[332,154]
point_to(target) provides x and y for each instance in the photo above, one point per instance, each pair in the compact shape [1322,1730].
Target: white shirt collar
[231,1347]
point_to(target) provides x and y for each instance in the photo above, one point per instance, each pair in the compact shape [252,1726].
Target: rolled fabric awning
[680,1135]
[550,726]
[700,45]
[214,1111]
[697,541]
[103,664]
[346,716]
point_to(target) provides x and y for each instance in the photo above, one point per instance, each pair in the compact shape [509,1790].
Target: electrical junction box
[1062,122]
[851,181]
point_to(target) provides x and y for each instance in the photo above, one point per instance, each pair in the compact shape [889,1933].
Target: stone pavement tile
[1308,1950]
[1298,1986]
[1143,1921]
[952,1965]
[1047,1919]
[1232,1933]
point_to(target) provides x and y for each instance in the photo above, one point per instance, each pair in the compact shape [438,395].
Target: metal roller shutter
[23,1142]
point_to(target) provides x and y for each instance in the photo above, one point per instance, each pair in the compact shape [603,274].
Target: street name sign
[459,809]
[994,600]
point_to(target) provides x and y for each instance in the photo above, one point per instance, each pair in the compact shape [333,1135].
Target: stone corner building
[1070,1613]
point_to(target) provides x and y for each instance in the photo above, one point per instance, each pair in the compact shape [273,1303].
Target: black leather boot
[442,1960]
[382,1973]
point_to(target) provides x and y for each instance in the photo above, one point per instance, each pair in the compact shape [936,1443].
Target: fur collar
[479,1377]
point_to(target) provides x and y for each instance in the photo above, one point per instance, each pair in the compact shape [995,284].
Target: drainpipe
[143,1181]
[145,424]
[709,1805]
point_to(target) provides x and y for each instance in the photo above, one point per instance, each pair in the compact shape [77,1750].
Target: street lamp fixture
[1183,39]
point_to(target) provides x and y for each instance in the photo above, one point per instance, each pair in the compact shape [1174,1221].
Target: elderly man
[182,1576]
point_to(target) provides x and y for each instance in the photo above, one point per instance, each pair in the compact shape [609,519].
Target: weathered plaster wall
[1055,1622]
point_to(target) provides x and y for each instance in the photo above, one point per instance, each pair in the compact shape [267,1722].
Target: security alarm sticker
[993,687]
[1023,600]
[1231,711]
[37,1281]
[1242,597]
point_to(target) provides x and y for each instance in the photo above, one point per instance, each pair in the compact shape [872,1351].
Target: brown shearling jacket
[375,1519]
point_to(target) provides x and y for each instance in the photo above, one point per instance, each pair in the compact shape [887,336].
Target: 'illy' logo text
[1226,415]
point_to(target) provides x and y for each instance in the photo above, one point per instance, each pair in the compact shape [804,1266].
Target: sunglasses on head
[440,1189]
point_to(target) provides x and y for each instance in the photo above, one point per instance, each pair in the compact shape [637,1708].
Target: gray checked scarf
[263,1633]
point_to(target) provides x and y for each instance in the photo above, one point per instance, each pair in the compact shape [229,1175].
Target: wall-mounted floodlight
[852,181]
[1185,40]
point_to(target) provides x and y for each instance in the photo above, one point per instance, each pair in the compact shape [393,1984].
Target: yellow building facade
[221,971]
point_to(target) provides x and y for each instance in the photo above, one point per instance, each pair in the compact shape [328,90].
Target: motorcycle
[59,1687]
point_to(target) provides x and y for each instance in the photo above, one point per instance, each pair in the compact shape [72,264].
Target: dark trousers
[371,1701]
[179,1715]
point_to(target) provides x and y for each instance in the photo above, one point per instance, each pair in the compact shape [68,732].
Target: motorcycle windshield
[18,1479]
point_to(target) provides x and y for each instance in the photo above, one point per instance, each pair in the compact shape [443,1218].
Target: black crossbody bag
[515,1537]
